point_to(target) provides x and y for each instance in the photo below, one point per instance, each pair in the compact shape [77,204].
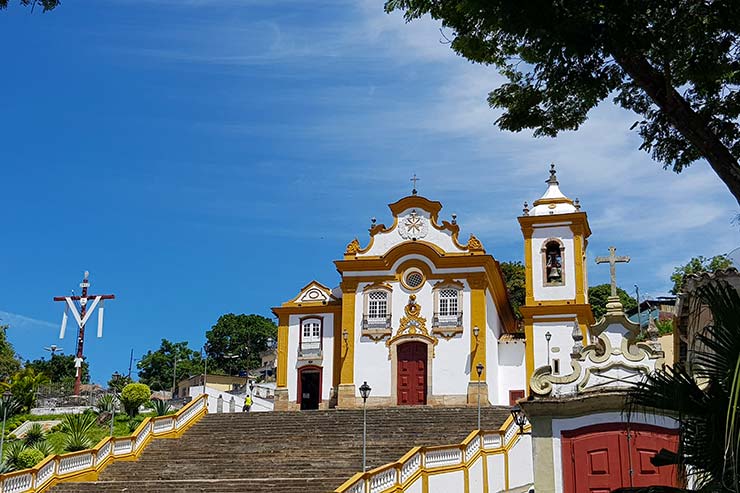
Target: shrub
[133,396]
[29,458]
[34,435]
[134,423]
[5,467]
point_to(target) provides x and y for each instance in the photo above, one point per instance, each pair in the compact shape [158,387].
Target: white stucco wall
[450,365]
[560,425]
[496,473]
[415,487]
[493,332]
[475,476]
[447,482]
[521,469]
[561,343]
[326,362]
[566,291]
[512,372]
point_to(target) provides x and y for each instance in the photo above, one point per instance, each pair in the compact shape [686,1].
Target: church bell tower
[556,313]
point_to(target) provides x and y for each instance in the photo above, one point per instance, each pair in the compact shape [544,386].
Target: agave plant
[705,399]
[160,407]
[77,427]
[106,404]
[12,451]
[34,435]
[45,448]
[5,467]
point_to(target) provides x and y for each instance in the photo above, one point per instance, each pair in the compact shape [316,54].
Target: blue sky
[210,156]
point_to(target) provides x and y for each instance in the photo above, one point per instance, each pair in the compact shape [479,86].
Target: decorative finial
[577,203]
[553,180]
[577,336]
[414,179]
[454,218]
[526,209]
[372,222]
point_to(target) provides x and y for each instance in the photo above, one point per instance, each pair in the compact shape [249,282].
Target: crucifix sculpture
[414,179]
[612,260]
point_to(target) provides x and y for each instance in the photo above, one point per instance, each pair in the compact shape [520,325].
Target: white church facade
[418,313]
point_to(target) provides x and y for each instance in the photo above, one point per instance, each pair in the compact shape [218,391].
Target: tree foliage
[9,361]
[24,386]
[676,64]
[598,295]
[698,265]
[156,367]
[705,400]
[60,369]
[242,336]
[45,4]
[516,284]
[133,396]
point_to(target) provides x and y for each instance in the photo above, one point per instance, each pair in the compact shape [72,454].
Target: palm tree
[704,399]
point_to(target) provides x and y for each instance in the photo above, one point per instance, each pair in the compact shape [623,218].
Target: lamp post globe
[520,419]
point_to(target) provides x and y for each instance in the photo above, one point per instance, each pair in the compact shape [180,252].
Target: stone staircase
[284,452]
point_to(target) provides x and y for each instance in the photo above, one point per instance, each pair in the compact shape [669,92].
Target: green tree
[673,63]
[698,265]
[133,396]
[705,402]
[24,386]
[235,342]
[516,285]
[156,367]
[46,4]
[118,382]
[598,295]
[9,361]
[60,369]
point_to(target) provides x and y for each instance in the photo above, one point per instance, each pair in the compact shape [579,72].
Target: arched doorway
[412,373]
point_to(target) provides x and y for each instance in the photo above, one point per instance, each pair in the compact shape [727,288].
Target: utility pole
[130,363]
[78,305]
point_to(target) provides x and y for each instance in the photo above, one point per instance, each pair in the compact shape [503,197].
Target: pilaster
[346,376]
[478,285]
[282,352]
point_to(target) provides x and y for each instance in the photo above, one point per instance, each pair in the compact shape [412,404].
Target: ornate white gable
[614,361]
[313,293]
[415,218]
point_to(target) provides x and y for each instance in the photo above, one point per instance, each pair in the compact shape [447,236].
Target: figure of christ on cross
[612,260]
[81,318]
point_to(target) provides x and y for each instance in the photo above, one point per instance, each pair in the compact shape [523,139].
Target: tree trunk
[684,119]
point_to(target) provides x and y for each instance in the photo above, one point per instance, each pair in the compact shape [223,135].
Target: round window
[414,279]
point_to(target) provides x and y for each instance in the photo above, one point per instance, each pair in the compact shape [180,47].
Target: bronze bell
[553,273]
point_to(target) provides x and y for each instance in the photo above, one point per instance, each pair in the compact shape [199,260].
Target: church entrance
[412,373]
[309,387]
[602,458]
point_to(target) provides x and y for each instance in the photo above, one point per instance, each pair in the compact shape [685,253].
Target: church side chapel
[425,319]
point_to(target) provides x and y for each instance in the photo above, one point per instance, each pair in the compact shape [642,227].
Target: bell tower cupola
[557,311]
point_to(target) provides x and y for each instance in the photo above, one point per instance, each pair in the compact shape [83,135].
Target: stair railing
[87,464]
[398,476]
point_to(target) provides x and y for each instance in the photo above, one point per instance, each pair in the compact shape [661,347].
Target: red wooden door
[412,373]
[598,459]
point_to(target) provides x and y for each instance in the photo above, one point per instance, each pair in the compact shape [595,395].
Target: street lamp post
[479,370]
[548,336]
[365,393]
[6,402]
[116,378]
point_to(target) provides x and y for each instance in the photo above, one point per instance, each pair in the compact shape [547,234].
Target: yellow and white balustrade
[486,461]
[86,465]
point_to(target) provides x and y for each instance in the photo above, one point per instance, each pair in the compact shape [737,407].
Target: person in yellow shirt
[247,403]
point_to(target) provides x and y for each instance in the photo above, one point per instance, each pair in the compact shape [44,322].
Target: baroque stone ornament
[353,248]
[413,227]
[412,327]
[474,244]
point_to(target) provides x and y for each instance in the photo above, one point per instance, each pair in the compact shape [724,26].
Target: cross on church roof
[414,179]
[612,260]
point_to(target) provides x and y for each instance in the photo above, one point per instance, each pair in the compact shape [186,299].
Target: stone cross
[612,260]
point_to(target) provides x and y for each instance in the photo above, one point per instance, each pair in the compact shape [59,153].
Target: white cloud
[16,321]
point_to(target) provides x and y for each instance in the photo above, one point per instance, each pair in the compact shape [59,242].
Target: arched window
[448,302]
[553,263]
[310,336]
[376,320]
[447,320]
